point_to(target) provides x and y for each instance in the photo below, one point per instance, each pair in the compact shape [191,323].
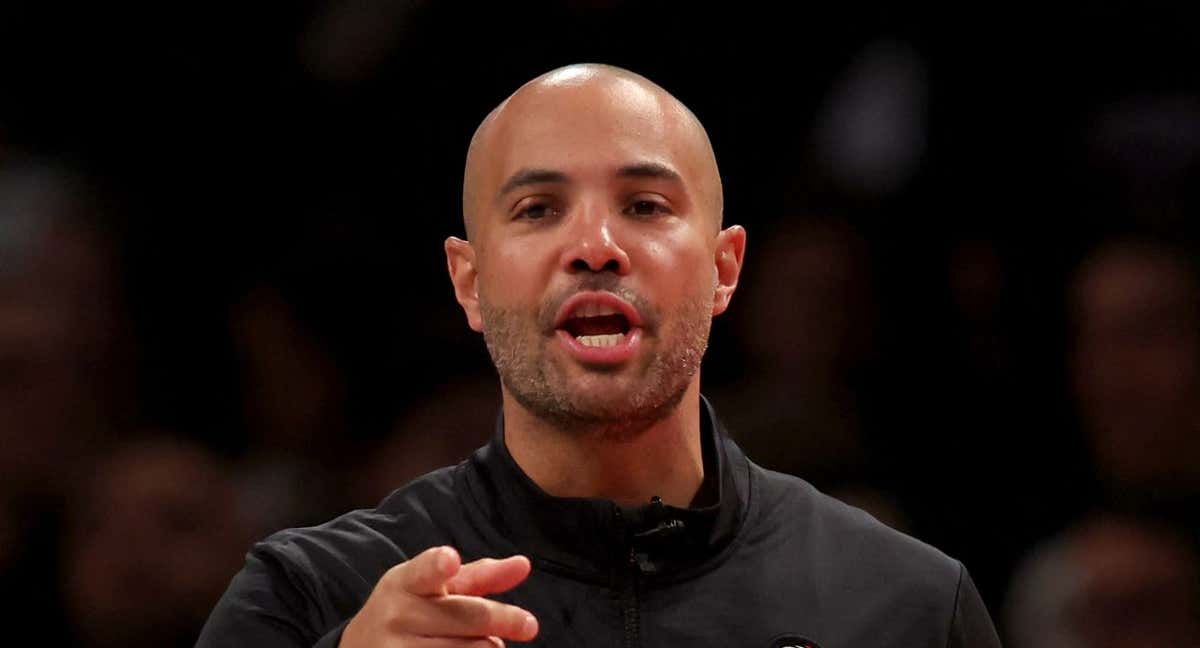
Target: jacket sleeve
[971,626]
[263,608]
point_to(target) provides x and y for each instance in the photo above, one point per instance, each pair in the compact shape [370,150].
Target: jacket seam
[954,607]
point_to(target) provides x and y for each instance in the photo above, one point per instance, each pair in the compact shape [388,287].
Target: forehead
[590,128]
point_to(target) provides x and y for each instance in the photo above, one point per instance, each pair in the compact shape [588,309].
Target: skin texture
[621,195]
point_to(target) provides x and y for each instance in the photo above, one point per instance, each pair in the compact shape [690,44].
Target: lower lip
[612,355]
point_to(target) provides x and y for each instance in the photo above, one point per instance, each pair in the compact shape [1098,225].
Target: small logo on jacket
[793,641]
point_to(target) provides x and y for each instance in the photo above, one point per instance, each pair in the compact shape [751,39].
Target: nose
[591,245]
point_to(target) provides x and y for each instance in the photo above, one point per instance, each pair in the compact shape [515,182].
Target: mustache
[604,282]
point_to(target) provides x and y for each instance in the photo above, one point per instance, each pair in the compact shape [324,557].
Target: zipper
[628,577]
[631,615]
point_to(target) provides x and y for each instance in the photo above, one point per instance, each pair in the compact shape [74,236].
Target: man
[610,509]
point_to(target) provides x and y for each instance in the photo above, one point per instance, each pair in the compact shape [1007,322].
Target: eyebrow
[649,170]
[526,177]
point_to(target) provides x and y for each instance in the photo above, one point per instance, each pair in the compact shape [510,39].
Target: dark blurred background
[971,302]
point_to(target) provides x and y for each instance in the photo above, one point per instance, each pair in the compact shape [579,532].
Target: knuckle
[391,578]
[397,572]
[506,619]
[478,617]
[485,617]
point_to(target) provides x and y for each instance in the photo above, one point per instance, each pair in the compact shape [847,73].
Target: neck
[664,460]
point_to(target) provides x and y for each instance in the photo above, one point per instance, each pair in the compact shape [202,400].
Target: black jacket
[770,563]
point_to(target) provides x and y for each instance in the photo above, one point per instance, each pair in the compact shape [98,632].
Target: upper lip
[599,298]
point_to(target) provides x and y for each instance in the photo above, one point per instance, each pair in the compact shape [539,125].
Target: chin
[607,395]
[621,409]
[603,407]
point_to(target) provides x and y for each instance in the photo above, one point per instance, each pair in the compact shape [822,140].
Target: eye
[536,212]
[646,208]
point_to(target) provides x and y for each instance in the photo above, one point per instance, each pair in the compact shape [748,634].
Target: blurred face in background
[151,543]
[1136,366]
[64,372]
[810,311]
[595,183]
[1138,587]
[1110,581]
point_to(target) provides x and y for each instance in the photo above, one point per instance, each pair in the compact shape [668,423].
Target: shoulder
[871,584]
[847,543]
[369,541]
[842,559]
[299,584]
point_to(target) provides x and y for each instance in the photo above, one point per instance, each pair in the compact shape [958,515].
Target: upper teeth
[601,340]
[593,309]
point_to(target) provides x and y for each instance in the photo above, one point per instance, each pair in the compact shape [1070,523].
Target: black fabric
[766,556]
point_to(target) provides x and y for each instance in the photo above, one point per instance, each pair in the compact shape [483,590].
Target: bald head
[642,128]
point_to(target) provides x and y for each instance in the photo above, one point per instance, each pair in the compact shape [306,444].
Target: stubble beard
[605,407]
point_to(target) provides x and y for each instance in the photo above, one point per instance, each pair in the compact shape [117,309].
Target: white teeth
[601,340]
[595,310]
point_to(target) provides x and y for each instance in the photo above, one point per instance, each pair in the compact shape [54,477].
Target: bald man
[610,507]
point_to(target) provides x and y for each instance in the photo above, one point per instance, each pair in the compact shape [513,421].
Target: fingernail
[531,626]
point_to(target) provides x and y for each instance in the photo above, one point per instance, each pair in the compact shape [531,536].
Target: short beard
[518,350]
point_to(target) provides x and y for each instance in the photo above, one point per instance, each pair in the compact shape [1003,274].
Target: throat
[665,459]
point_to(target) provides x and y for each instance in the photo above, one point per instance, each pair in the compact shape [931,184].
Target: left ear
[727,259]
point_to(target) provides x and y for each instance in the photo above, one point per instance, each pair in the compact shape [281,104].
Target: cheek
[512,274]
[681,266]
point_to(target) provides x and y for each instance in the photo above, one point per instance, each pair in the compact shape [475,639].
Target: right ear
[460,259]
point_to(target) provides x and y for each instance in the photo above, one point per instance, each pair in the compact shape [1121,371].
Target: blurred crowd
[971,304]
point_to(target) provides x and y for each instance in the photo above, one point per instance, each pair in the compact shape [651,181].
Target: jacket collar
[593,537]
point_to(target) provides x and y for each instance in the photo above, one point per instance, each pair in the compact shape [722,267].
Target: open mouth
[599,327]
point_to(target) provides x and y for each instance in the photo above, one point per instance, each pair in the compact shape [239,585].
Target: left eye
[644,208]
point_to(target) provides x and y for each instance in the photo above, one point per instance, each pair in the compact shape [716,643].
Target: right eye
[536,212]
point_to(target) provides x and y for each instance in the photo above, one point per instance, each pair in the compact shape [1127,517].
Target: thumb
[428,572]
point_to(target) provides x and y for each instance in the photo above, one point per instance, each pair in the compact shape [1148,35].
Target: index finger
[489,576]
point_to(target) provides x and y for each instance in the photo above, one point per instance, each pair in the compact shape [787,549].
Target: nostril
[581,265]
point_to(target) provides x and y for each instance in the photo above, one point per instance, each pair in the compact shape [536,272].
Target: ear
[460,259]
[727,259]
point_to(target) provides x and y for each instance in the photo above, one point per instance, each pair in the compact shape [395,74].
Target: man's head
[1106,581]
[596,258]
[1136,363]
